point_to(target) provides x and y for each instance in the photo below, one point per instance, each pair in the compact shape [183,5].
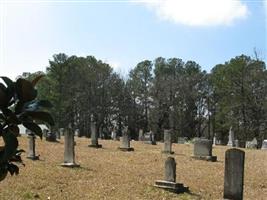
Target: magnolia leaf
[14,129]
[42,116]
[13,169]
[11,144]
[34,81]
[25,90]
[8,81]
[37,104]
[34,128]
[3,96]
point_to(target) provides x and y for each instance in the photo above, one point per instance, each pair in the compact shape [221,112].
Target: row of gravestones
[234,162]
[232,142]
[233,175]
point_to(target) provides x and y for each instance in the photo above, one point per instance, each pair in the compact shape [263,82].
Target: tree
[18,105]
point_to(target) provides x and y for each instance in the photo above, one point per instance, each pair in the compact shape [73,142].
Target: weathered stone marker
[94,135]
[149,138]
[167,142]
[252,144]
[141,135]
[170,178]
[181,140]
[264,145]
[69,153]
[231,138]
[203,150]
[234,174]
[31,148]
[125,141]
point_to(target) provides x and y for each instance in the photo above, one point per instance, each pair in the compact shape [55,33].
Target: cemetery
[113,174]
[133,100]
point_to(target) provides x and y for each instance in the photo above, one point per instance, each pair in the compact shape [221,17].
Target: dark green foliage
[18,106]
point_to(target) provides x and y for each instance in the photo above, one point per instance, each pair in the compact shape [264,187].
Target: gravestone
[169,183]
[61,131]
[51,137]
[94,135]
[114,135]
[167,142]
[69,151]
[31,147]
[141,135]
[264,145]
[58,134]
[125,141]
[252,144]
[77,133]
[234,174]
[203,150]
[236,143]
[181,140]
[231,138]
[149,138]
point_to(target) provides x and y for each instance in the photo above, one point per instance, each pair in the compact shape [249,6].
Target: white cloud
[199,12]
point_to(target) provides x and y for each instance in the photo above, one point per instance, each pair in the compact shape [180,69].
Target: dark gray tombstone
[69,151]
[141,135]
[264,145]
[51,137]
[170,178]
[125,141]
[167,142]
[234,174]
[203,150]
[31,148]
[94,135]
[231,138]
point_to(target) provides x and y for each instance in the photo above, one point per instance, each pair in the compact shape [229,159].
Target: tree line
[157,95]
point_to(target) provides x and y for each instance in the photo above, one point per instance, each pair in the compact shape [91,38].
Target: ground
[108,173]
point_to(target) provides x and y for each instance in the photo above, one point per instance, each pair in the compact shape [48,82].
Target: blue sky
[124,33]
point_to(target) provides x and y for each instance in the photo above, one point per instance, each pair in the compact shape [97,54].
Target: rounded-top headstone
[170,169]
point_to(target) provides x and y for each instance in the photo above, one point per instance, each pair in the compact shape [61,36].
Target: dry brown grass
[111,174]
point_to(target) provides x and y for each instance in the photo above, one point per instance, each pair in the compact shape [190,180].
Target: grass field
[108,173]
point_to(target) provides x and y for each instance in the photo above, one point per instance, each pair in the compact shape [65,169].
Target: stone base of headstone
[97,146]
[33,157]
[171,186]
[206,158]
[126,149]
[71,165]
[167,152]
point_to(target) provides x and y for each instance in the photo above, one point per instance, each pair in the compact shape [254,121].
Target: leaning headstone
[169,183]
[231,138]
[203,150]
[167,142]
[141,135]
[234,174]
[264,145]
[31,149]
[125,141]
[69,151]
[94,135]
[252,144]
